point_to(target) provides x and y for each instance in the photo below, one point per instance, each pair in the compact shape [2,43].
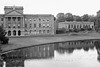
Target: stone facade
[18,24]
[75,25]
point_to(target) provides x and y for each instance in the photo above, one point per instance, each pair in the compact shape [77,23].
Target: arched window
[19,32]
[14,32]
[9,33]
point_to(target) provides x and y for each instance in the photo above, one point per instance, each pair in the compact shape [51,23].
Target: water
[83,53]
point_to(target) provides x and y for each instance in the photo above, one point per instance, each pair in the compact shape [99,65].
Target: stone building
[75,25]
[16,23]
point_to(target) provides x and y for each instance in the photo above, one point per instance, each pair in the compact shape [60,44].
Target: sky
[76,7]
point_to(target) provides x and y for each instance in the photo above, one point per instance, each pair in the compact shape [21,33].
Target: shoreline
[21,42]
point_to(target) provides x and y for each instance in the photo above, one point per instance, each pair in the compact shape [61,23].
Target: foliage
[60,17]
[69,17]
[3,39]
[60,31]
[77,18]
[85,17]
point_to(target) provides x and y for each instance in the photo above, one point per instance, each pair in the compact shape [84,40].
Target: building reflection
[17,57]
[70,46]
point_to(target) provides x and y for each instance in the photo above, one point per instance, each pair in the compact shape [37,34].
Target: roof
[14,7]
[75,22]
[37,15]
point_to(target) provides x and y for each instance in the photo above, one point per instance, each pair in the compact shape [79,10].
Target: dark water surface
[83,53]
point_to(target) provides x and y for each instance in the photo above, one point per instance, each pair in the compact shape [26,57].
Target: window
[9,26]
[47,31]
[25,30]
[43,25]
[47,25]
[39,31]
[43,31]
[18,25]
[34,25]
[30,19]
[34,20]
[14,26]
[9,18]
[26,25]
[1,19]
[39,19]
[2,25]
[19,18]
[34,30]
[30,25]
[30,31]
[39,25]
[14,18]
[68,26]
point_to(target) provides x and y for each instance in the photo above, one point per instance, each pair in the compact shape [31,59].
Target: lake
[82,53]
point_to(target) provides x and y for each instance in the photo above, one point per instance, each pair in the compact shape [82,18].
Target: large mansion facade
[16,23]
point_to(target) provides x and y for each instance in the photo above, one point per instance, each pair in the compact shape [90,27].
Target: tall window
[14,18]
[1,19]
[18,25]
[68,26]
[9,26]
[19,18]
[47,31]
[25,25]
[30,31]
[14,26]
[34,25]
[39,25]
[30,25]
[43,25]
[43,31]
[39,19]
[39,31]
[47,25]
[9,18]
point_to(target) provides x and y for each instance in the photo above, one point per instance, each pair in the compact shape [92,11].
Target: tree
[92,18]
[3,39]
[60,17]
[97,24]
[69,17]
[77,18]
[85,17]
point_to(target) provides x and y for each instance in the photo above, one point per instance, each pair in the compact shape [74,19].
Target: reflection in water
[17,57]
[97,45]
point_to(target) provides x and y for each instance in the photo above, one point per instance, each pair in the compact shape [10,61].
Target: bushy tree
[3,39]
[77,18]
[69,17]
[92,18]
[85,17]
[60,17]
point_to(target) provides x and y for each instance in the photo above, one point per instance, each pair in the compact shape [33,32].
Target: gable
[14,13]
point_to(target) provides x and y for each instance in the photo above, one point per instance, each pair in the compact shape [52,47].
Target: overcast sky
[76,7]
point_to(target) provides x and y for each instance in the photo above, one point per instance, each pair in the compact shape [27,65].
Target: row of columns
[14,33]
[80,26]
[14,18]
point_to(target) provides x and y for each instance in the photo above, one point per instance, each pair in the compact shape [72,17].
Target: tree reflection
[86,48]
[97,45]
[68,50]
